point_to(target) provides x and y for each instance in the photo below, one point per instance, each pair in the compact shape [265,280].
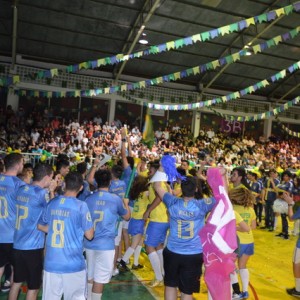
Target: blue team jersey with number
[30,201]
[68,218]
[118,187]
[186,220]
[9,186]
[105,210]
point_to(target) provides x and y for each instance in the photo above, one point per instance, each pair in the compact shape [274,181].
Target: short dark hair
[12,159]
[287,172]
[62,163]
[117,171]
[188,186]
[103,178]
[28,166]
[73,181]
[82,167]
[41,170]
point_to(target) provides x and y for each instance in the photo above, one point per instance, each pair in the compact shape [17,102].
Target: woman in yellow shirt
[243,200]
[139,192]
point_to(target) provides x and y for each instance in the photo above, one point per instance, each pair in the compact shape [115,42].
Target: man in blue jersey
[82,169]
[118,187]
[66,220]
[183,256]
[28,240]
[105,209]
[9,185]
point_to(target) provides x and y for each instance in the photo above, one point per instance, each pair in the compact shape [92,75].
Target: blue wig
[169,165]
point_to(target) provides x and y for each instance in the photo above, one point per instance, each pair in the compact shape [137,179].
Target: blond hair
[241,196]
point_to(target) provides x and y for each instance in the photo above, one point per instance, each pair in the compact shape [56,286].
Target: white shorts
[126,223]
[119,235]
[296,257]
[72,285]
[100,265]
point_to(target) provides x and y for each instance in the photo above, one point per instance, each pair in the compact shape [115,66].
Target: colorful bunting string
[171,77]
[288,131]
[175,44]
[232,96]
[179,43]
[260,116]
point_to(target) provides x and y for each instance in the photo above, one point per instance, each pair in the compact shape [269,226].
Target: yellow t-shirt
[140,206]
[144,173]
[248,215]
[158,214]
[238,218]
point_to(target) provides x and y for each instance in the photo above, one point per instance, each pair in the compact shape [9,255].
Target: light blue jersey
[68,218]
[186,220]
[31,200]
[105,210]
[85,192]
[118,187]
[9,186]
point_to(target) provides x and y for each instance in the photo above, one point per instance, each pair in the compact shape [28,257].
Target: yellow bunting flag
[177,75]
[170,45]
[100,62]
[124,88]
[250,21]
[16,79]
[279,12]
[54,72]
[106,90]
[196,38]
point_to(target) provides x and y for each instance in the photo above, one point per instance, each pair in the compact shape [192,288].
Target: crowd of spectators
[34,132]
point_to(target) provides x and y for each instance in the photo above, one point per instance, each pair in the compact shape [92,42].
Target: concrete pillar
[267,127]
[196,123]
[112,108]
[13,100]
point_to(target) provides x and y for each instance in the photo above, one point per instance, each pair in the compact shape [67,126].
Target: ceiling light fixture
[249,50]
[143,41]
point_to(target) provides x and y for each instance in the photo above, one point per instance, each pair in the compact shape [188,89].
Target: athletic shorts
[183,271]
[156,233]
[119,233]
[247,249]
[136,227]
[100,264]
[6,250]
[296,257]
[28,266]
[72,285]
[125,224]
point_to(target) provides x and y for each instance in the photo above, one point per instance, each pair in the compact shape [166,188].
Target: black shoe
[5,287]
[293,292]
[280,234]
[134,267]
[286,236]
[122,266]
[271,229]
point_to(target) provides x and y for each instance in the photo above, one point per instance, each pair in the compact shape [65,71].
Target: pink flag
[219,240]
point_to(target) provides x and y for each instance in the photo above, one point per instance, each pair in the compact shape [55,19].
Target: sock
[155,263]
[297,284]
[96,296]
[235,283]
[275,222]
[137,253]
[89,295]
[244,274]
[161,259]
[127,254]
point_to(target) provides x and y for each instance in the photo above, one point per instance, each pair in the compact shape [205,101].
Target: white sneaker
[115,272]
[235,296]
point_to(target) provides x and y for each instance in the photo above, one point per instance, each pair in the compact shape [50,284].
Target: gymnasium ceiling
[73,31]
